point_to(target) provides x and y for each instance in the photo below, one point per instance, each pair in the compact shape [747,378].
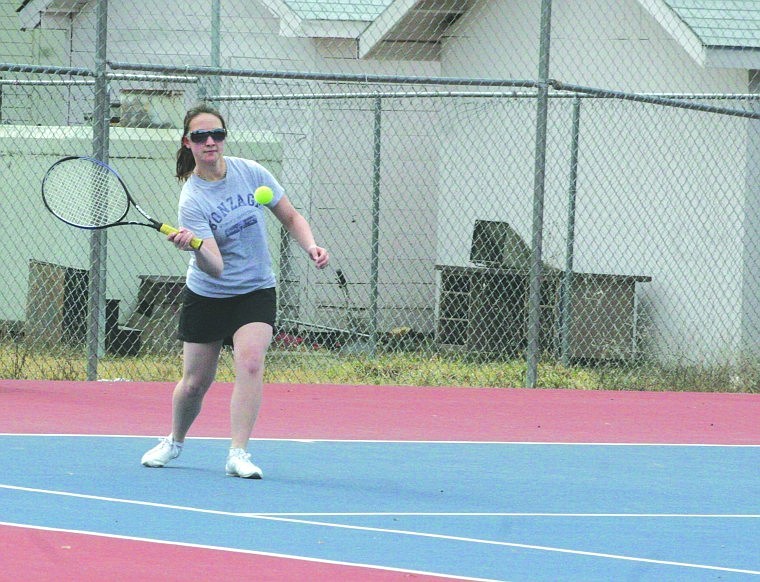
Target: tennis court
[552,196]
[382,483]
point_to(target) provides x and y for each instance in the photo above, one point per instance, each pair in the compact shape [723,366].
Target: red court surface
[67,556]
[328,412]
[392,413]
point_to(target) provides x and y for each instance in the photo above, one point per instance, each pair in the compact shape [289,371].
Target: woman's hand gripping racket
[86,193]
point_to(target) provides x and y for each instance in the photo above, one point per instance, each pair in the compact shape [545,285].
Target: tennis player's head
[217,132]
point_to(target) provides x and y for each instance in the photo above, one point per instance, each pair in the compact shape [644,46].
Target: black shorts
[204,320]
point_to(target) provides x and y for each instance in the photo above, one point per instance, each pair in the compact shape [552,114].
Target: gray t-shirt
[226,210]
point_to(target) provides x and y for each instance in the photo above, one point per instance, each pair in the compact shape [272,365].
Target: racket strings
[84,193]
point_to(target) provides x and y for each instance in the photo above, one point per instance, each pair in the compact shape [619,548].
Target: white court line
[242,551]
[266,517]
[307,440]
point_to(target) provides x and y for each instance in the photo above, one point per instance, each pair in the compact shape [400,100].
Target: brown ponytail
[185,159]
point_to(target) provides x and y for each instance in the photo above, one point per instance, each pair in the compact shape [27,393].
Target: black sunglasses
[202,135]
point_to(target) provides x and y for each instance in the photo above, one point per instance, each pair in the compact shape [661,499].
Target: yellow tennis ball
[263,195]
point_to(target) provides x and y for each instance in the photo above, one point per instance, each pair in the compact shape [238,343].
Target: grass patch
[309,366]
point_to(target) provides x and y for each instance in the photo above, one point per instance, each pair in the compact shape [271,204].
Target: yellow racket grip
[195,243]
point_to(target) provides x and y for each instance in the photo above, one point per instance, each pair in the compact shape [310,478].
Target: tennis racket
[86,193]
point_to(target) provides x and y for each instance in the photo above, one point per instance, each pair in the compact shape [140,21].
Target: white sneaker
[166,450]
[239,465]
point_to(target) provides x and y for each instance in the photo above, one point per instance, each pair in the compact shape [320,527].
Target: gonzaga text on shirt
[226,210]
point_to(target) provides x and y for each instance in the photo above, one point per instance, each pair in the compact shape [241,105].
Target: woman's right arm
[208,258]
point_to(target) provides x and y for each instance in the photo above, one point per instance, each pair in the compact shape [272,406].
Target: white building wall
[625,197]
[327,150]
[487,152]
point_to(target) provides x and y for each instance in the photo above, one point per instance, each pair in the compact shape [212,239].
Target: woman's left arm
[299,229]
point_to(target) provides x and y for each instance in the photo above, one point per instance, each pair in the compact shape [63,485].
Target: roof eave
[676,28]
[726,57]
[333,28]
[290,22]
[30,11]
[294,26]
[377,31]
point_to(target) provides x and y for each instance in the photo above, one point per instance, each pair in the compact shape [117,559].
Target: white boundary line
[388,441]
[275,518]
[241,551]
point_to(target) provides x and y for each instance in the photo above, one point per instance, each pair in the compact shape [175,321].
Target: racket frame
[163,228]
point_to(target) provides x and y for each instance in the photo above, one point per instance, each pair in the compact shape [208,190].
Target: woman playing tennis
[230,293]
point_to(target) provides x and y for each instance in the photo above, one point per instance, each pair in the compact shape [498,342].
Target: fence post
[216,59]
[375,251]
[99,238]
[539,175]
[750,314]
[566,314]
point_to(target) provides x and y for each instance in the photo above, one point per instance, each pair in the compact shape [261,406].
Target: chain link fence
[565,189]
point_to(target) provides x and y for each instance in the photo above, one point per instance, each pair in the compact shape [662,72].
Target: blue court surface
[464,510]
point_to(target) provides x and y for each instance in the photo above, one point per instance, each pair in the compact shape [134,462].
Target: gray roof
[716,23]
[721,23]
[723,33]
[366,10]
